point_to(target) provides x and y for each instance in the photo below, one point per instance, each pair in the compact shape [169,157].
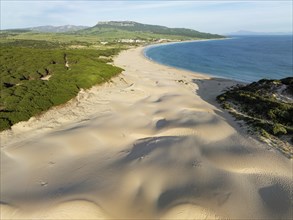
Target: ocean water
[242,58]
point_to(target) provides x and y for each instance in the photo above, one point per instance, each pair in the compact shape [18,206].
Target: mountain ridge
[138,28]
[58,29]
[118,31]
[50,28]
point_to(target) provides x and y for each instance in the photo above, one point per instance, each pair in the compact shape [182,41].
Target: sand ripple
[143,146]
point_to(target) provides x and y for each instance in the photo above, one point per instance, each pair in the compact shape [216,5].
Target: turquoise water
[246,59]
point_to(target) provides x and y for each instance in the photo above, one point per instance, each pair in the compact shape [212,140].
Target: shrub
[221,98]
[279,129]
[15,117]
[271,116]
[4,124]
[264,133]
[24,94]
[226,105]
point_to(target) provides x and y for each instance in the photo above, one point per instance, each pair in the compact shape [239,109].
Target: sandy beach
[149,144]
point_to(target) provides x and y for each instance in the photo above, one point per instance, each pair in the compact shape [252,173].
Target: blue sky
[209,16]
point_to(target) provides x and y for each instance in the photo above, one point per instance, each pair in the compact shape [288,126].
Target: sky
[208,16]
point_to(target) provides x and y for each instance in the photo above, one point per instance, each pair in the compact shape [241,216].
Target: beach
[149,144]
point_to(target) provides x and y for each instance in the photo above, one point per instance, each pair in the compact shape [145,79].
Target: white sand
[143,146]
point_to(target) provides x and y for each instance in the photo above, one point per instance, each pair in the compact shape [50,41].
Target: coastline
[185,41]
[147,144]
[211,76]
[229,58]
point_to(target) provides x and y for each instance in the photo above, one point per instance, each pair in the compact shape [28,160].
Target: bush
[226,105]
[24,94]
[4,124]
[264,133]
[271,116]
[15,117]
[279,129]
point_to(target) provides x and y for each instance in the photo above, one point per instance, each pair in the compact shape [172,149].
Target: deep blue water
[247,58]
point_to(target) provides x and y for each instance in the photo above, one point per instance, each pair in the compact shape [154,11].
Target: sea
[242,58]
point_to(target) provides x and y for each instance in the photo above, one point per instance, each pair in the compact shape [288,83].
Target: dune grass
[266,107]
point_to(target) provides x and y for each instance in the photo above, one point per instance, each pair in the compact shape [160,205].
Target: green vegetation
[33,79]
[111,32]
[134,30]
[41,44]
[39,70]
[266,105]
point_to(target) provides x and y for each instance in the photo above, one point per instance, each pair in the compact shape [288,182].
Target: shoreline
[211,76]
[207,75]
[145,145]
[207,81]
[185,41]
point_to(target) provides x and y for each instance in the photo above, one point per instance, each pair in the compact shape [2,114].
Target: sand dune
[145,145]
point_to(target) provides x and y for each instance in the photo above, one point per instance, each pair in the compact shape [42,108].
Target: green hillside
[132,29]
[122,32]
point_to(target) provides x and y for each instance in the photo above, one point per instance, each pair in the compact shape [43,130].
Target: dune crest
[144,145]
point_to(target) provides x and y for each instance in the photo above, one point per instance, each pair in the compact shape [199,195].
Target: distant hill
[133,29]
[58,29]
[126,32]
[252,33]
[50,29]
